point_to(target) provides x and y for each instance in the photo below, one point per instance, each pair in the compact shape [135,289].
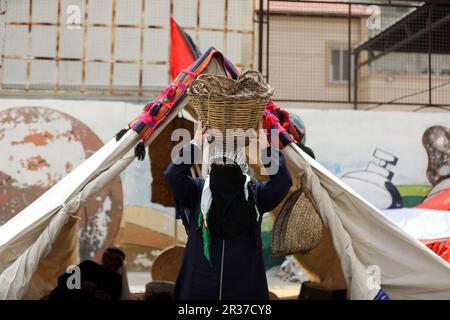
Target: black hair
[116,251]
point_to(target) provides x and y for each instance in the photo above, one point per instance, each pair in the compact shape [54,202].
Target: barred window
[340,70]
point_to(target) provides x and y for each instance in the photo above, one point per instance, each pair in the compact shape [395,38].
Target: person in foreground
[106,281]
[222,214]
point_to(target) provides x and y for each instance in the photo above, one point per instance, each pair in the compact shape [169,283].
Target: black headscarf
[231,213]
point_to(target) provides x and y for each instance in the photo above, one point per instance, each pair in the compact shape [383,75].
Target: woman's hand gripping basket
[223,103]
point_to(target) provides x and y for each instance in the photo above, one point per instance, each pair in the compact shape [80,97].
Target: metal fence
[356,53]
[362,53]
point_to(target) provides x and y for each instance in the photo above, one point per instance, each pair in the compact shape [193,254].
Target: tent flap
[372,249]
[29,237]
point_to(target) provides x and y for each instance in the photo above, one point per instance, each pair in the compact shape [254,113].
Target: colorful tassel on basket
[155,108]
[120,134]
[169,92]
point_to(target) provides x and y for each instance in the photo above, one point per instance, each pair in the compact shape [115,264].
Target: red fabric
[181,55]
[442,249]
[441,201]
[276,118]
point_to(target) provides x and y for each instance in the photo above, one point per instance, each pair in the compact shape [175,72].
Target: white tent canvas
[361,235]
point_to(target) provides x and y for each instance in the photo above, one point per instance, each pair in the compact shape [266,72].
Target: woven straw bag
[167,264]
[298,228]
[223,103]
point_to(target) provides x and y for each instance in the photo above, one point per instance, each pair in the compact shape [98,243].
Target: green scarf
[205,232]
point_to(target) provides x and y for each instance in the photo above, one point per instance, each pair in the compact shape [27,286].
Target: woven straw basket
[223,103]
[167,264]
[298,228]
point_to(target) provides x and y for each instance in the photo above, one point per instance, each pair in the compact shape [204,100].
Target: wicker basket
[167,264]
[223,103]
[298,228]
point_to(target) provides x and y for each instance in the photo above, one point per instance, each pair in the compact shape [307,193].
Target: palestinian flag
[183,51]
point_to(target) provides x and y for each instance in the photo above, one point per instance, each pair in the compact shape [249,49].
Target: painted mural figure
[376,180]
[223,257]
[436,141]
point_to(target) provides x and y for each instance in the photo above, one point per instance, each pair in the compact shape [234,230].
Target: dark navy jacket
[237,267]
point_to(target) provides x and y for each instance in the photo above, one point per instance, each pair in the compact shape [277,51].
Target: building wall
[390,86]
[111,48]
[299,59]
[77,58]
[300,55]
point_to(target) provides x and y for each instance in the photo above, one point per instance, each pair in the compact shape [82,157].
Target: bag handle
[301,181]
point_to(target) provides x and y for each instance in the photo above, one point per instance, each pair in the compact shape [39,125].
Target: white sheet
[422,224]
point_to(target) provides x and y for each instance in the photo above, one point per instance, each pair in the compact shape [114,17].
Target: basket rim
[219,97]
[199,85]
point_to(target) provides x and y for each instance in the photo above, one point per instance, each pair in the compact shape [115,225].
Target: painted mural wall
[43,140]
[390,158]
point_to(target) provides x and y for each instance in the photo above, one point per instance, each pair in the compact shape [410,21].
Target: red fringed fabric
[442,249]
[276,118]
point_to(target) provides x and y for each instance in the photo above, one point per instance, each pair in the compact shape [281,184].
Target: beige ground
[284,290]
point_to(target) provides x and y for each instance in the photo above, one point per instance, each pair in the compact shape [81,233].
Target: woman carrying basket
[222,214]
